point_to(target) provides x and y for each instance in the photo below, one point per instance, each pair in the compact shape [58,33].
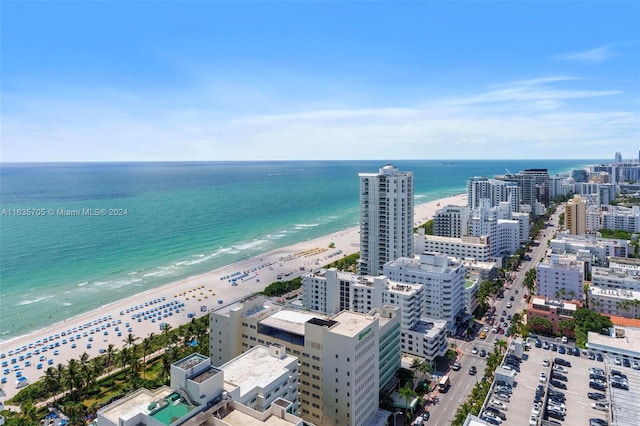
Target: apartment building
[451,221]
[344,359]
[420,335]
[386,218]
[554,311]
[618,302]
[622,218]
[560,278]
[600,248]
[575,216]
[465,247]
[201,394]
[442,279]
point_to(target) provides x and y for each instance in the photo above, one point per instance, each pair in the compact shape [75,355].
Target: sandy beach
[176,302]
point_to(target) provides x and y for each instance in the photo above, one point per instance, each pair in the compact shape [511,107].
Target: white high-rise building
[442,279]
[329,291]
[386,218]
[451,221]
[345,359]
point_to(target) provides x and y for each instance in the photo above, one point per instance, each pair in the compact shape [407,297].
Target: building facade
[560,278]
[451,221]
[344,359]
[477,248]
[554,311]
[386,218]
[575,216]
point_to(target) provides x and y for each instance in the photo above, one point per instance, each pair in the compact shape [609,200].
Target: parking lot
[625,404]
[577,404]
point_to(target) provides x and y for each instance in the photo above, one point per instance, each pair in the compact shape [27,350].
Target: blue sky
[207,80]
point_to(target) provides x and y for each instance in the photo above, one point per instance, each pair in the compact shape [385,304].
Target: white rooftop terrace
[628,345]
[255,368]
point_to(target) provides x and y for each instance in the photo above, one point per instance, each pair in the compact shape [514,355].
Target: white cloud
[531,118]
[594,56]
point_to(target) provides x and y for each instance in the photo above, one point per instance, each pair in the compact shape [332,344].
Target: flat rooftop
[131,405]
[255,368]
[629,343]
[238,418]
[351,323]
[291,320]
[190,361]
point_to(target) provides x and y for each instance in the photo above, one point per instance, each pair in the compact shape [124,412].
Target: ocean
[77,236]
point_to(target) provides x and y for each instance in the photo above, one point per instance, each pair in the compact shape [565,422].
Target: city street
[445,404]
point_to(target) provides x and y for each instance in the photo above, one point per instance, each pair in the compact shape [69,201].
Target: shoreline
[174,303]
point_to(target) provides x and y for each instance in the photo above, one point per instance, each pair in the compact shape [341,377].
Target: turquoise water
[181,219]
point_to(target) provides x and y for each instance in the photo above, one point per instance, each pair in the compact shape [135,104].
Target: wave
[246,246]
[83,284]
[31,302]
[300,226]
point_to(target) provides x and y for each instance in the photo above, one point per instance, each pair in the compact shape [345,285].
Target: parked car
[560,369]
[601,406]
[545,362]
[501,396]
[596,396]
[596,370]
[597,386]
[619,385]
[626,362]
[558,384]
[556,415]
[456,366]
[473,370]
[496,412]
[562,361]
[498,404]
[618,374]
[598,422]
[558,376]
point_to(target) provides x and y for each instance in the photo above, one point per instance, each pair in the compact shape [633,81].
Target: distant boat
[448,162]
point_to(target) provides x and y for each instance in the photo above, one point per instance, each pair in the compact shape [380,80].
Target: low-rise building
[198,395]
[621,342]
[619,302]
[471,286]
[554,311]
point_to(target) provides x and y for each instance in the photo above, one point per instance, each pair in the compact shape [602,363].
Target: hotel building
[386,218]
[560,278]
[451,221]
[204,395]
[553,310]
[344,359]
[466,247]
[443,282]
[330,291]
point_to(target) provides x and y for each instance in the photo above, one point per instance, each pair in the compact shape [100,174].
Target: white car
[545,362]
[602,406]
[617,361]
[474,351]
[594,370]
[491,415]
[543,377]
[635,365]
[560,369]
[557,408]
[497,404]
[533,420]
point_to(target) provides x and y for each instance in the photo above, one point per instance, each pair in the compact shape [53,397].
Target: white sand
[202,290]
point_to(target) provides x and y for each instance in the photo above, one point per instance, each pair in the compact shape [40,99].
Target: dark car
[538,344]
[626,362]
[496,412]
[594,376]
[561,350]
[596,396]
[540,390]
[599,357]
[558,376]
[619,385]
[562,361]
[512,298]
[555,414]
[598,422]
[558,384]
[482,353]
[473,370]
[511,357]
[554,347]
[597,386]
[490,420]
[618,373]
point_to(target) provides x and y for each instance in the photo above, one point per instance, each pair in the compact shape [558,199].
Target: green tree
[540,324]
[130,340]
[407,393]
[501,344]
[587,320]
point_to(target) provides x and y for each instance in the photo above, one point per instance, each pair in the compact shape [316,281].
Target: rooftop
[291,320]
[350,323]
[131,405]
[238,418]
[256,368]
[190,361]
[209,372]
[630,343]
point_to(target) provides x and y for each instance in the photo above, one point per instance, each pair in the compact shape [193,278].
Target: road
[444,406]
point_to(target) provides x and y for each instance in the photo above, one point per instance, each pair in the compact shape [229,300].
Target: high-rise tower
[386,218]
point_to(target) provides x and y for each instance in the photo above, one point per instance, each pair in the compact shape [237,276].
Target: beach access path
[176,303]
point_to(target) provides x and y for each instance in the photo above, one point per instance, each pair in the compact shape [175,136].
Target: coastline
[178,300]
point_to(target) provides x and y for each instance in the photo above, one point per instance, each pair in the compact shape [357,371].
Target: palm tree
[73,376]
[407,393]
[130,340]
[110,355]
[146,348]
[165,333]
[415,366]
[501,344]
[29,412]
[426,369]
